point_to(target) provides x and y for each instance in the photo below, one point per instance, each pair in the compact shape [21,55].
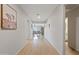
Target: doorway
[70,29]
[38,31]
[68,49]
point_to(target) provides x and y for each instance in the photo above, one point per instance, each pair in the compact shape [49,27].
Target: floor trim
[21,48]
[54,47]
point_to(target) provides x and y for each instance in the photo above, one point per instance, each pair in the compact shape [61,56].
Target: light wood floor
[38,47]
[70,51]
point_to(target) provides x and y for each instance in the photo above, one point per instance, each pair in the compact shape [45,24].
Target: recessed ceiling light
[38,16]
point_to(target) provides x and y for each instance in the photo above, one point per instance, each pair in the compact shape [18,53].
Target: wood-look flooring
[38,47]
[70,51]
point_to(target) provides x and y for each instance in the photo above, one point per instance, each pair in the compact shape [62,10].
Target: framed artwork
[0,16]
[8,17]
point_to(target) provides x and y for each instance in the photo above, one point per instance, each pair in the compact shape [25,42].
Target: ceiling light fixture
[38,16]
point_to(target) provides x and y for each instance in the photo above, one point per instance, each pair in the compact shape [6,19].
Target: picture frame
[8,17]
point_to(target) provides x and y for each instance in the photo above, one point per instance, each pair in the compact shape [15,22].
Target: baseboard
[77,50]
[21,48]
[54,47]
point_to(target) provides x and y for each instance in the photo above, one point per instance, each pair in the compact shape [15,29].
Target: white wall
[13,40]
[55,33]
[30,31]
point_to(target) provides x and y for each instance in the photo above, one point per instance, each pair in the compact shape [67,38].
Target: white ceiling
[44,10]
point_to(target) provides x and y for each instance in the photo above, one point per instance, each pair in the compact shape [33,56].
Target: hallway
[48,18]
[44,22]
[38,47]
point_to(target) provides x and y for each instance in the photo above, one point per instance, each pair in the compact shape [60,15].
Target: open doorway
[71,29]
[37,31]
[69,50]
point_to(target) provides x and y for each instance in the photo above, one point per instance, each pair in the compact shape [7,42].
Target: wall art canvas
[0,16]
[8,17]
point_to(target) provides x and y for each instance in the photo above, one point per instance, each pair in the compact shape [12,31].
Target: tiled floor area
[38,47]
